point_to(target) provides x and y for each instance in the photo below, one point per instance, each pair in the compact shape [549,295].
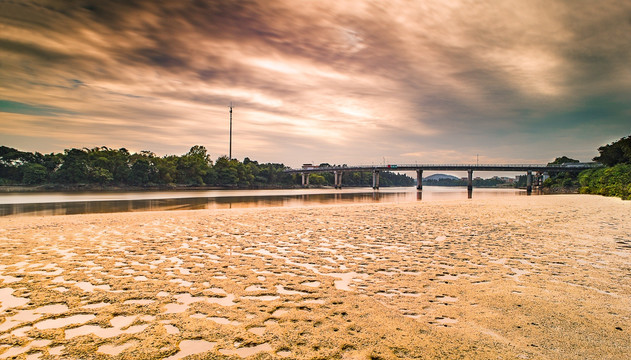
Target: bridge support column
[419,179]
[305,179]
[469,183]
[375,180]
[529,182]
[470,179]
[338,179]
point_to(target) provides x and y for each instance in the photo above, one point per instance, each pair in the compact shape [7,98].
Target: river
[69,203]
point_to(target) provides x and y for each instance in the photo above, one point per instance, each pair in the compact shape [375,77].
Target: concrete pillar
[375,180]
[339,178]
[335,179]
[419,179]
[307,178]
[529,182]
[304,182]
[470,179]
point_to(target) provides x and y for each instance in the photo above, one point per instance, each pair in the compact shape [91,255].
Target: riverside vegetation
[107,168]
[102,167]
[613,179]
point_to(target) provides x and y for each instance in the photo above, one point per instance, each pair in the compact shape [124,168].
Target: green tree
[141,172]
[74,168]
[317,179]
[52,162]
[167,169]
[561,179]
[609,181]
[563,160]
[193,166]
[34,174]
[618,152]
[116,162]
[11,162]
[100,176]
[244,173]
[227,174]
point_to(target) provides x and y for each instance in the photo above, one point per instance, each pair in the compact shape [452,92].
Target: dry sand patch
[525,277]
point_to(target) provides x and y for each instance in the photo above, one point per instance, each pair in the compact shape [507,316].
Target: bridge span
[419,168]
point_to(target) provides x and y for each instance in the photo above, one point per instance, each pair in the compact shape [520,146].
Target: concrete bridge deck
[419,168]
[450,167]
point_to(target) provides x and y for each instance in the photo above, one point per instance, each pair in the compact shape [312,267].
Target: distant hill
[437,177]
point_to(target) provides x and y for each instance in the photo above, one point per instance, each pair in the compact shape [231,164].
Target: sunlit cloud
[324,81]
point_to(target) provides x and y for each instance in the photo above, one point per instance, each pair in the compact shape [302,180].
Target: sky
[354,82]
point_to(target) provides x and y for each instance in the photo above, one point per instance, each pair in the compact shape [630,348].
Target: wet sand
[542,277]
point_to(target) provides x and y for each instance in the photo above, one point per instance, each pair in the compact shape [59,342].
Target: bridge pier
[469,183]
[338,179]
[419,179]
[375,180]
[533,180]
[529,182]
[539,180]
[470,179]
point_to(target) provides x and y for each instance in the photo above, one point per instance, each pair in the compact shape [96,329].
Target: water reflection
[285,198]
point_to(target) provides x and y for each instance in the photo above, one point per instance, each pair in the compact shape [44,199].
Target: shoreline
[4,189]
[100,188]
[97,188]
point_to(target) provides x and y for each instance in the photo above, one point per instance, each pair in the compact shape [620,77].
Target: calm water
[25,204]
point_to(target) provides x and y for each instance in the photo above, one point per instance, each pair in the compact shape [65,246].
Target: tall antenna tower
[230,150]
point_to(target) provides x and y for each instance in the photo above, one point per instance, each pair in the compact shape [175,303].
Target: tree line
[103,166]
[495,181]
[615,178]
[612,179]
[561,179]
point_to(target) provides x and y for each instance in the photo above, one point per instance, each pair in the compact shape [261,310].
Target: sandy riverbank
[542,277]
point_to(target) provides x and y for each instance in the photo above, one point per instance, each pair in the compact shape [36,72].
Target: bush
[611,181]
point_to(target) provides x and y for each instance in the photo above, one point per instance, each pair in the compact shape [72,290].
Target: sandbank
[540,277]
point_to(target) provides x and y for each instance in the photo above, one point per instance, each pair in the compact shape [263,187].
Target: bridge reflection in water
[348,196]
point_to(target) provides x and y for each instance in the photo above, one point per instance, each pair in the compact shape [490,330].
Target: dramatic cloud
[323,81]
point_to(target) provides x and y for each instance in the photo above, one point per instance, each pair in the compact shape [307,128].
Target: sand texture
[541,277]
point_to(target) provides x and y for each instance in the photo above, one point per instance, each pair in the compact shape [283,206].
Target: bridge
[419,168]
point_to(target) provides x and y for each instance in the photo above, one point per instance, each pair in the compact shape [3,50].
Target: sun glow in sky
[318,81]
